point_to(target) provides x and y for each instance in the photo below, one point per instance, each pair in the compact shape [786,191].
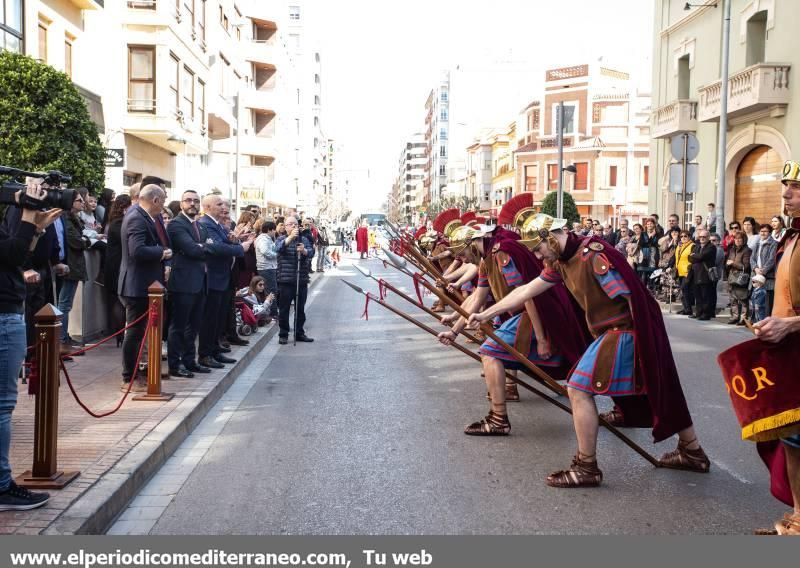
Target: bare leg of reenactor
[496,422]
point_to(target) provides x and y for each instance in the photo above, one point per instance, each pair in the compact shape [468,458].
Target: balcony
[265,99]
[89,4]
[249,145]
[674,118]
[262,52]
[159,123]
[221,120]
[759,89]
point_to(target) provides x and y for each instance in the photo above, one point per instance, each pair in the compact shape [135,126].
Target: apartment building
[304,83]
[606,138]
[478,178]
[437,129]
[408,190]
[762,105]
[503,168]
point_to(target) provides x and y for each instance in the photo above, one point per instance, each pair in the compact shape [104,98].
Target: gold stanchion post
[155,301]
[45,474]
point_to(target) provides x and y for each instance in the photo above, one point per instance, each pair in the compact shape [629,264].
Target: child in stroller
[252,306]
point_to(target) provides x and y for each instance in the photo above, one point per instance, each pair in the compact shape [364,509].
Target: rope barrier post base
[45,473]
[155,300]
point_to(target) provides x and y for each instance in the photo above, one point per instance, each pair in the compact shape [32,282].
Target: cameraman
[293,250]
[14,251]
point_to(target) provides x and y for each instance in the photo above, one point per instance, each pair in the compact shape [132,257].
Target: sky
[381,59]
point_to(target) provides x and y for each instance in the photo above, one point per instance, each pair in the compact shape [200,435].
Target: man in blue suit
[220,259]
[187,286]
[145,253]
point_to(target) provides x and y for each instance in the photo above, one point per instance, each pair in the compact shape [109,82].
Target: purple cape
[563,320]
[664,406]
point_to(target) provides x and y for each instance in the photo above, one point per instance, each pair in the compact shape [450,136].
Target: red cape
[362,239]
[664,407]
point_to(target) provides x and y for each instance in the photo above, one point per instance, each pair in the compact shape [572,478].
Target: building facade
[762,105]
[606,138]
[408,189]
[204,94]
[437,134]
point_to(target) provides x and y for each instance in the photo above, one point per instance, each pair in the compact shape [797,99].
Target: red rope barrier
[130,384]
[109,338]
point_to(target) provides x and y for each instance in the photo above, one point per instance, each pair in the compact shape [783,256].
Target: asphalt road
[361,433]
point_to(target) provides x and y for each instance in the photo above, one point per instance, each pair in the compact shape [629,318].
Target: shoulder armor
[597,247]
[600,264]
[502,258]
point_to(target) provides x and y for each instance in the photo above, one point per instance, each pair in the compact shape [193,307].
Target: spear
[544,378]
[461,348]
[366,272]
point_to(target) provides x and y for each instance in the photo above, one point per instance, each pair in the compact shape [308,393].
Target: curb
[95,510]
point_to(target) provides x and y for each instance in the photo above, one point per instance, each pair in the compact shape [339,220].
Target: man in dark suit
[145,251]
[703,258]
[187,286]
[219,261]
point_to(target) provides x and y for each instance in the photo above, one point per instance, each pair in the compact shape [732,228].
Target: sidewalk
[116,455]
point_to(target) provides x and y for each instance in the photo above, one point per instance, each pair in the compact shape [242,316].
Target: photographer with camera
[294,252]
[15,249]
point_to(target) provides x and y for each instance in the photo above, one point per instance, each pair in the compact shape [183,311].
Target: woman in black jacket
[737,273]
[116,312]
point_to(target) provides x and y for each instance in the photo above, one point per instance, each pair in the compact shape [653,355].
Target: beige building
[762,129]
[606,138]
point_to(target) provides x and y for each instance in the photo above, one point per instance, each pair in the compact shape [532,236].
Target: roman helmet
[537,227]
[447,221]
[791,172]
[517,210]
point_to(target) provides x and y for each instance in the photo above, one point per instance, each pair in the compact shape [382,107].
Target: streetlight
[723,110]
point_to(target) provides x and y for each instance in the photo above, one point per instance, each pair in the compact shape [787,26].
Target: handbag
[713,275]
[739,278]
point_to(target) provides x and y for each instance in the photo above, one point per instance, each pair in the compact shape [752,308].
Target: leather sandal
[492,425]
[512,393]
[789,525]
[685,459]
[614,417]
[582,473]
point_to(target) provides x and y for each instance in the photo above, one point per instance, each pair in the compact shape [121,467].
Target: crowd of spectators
[690,266]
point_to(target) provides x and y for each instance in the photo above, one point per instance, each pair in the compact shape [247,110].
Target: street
[361,433]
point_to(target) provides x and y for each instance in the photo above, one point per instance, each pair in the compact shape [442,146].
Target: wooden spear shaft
[547,379]
[467,352]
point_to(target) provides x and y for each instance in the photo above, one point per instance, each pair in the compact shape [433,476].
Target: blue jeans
[65,298]
[12,353]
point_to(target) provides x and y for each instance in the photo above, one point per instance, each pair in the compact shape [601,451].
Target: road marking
[149,505]
[731,472]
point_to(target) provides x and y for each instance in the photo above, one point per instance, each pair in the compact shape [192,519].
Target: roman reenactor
[535,328]
[630,358]
[443,226]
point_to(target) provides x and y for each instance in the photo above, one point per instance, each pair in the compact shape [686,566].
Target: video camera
[55,196]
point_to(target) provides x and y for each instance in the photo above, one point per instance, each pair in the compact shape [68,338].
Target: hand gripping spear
[461,348]
[366,272]
[543,377]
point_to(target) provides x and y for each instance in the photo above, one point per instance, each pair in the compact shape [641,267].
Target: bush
[44,123]
[550,206]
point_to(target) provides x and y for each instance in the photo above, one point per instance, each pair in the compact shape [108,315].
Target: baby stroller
[246,321]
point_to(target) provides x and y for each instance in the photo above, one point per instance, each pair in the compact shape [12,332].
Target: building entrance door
[758,185]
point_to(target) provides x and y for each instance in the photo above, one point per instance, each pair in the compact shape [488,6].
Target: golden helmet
[791,172]
[461,237]
[537,228]
[428,240]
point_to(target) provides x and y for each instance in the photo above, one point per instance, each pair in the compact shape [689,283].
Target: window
[316,121]
[444,96]
[612,176]
[552,176]
[174,80]
[42,42]
[316,100]
[294,12]
[225,71]
[201,21]
[646,176]
[443,134]
[141,78]
[11,25]
[756,38]
[531,178]
[187,93]
[443,151]
[442,170]
[316,78]
[443,114]
[68,57]
[201,103]
[189,6]
[684,77]
[582,176]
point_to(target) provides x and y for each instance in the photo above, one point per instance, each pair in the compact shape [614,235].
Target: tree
[44,123]
[550,206]
[461,202]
